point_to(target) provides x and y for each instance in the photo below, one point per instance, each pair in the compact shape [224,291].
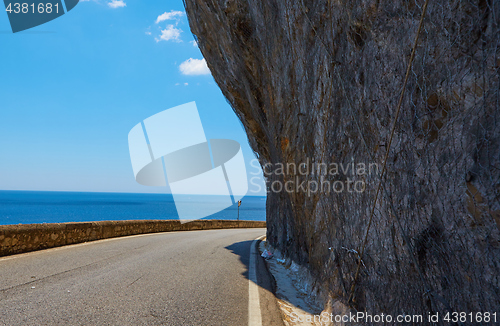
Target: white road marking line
[254,313]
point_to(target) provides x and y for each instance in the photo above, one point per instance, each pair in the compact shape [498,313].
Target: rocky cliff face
[317,82]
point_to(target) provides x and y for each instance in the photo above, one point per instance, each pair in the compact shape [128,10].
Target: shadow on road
[271,314]
[242,249]
[265,279]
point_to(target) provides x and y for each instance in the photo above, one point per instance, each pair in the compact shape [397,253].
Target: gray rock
[320,81]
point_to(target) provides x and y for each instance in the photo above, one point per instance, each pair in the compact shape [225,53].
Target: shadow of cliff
[242,249]
[265,280]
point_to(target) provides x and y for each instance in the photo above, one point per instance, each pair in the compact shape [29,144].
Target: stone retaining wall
[15,239]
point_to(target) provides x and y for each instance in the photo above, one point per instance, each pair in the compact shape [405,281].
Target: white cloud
[185,84]
[170,34]
[117,4]
[194,67]
[169,16]
[148,33]
[194,43]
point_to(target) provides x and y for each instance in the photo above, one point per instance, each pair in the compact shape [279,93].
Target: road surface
[172,278]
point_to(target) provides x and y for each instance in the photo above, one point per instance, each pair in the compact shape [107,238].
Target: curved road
[173,278]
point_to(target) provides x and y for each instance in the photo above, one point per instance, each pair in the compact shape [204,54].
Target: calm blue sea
[27,207]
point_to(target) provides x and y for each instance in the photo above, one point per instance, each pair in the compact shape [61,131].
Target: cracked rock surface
[318,82]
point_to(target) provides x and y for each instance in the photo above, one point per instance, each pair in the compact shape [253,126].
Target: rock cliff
[316,85]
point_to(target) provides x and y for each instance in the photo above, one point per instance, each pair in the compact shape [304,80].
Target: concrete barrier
[15,239]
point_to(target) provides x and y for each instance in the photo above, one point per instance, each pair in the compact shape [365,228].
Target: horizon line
[120,192]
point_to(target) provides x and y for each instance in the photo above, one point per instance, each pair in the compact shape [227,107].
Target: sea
[27,207]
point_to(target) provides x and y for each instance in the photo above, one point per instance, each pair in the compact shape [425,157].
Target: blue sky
[71,90]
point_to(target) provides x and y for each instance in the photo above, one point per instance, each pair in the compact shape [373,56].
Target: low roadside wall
[15,239]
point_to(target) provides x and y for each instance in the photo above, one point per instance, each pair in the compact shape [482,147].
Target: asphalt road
[173,278]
